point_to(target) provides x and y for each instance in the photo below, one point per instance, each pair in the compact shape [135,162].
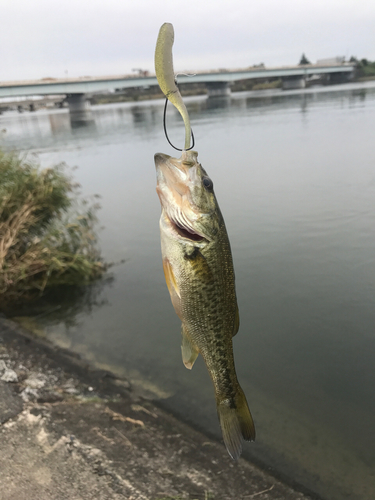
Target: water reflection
[358,94]
[59,123]
[64,305]
[42,129]
[291,99]
[140,115]
[218,102]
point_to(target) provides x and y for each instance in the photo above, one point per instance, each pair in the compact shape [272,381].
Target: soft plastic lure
[166,78]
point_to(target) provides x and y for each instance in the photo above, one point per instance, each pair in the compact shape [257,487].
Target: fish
[198,269]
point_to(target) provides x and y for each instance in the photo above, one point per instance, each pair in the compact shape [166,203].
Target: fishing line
[166,134]
[165,128]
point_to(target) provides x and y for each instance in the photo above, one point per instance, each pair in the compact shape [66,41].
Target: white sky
[57,38]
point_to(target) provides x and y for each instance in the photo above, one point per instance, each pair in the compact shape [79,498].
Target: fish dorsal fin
[236,322]
[170,278]
[189,350]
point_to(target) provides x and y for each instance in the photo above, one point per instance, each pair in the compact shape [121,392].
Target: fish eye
[207,183]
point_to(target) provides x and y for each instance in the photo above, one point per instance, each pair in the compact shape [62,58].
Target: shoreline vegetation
[47,230]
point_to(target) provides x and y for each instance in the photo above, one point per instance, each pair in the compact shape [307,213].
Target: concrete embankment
[70,431]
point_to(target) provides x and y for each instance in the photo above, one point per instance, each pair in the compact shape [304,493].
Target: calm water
[294,174]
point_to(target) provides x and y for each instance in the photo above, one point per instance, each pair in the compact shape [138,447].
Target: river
[294,173]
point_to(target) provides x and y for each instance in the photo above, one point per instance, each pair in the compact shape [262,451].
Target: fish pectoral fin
[236,322]
[189,350]
[170,278]
[198,264]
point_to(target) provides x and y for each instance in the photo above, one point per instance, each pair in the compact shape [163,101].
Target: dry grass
[47,232]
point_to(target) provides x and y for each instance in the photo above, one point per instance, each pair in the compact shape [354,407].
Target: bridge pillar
[217,89]
[338,78]
[293,82]
[79,110]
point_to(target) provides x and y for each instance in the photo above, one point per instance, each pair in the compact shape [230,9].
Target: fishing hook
[165,128]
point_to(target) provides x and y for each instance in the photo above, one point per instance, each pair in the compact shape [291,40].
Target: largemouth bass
[198,269]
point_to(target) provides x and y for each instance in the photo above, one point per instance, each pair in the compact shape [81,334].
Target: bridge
[217,83]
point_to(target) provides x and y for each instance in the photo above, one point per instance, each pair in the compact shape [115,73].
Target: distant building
[331,60]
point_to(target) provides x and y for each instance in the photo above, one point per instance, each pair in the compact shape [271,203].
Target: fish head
[189,207]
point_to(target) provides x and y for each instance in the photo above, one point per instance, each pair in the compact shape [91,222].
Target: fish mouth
[173,185]
[183,231]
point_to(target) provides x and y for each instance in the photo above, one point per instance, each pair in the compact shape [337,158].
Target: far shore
[152,93]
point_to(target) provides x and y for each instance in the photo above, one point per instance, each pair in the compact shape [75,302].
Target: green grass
[47,231]
[365,69]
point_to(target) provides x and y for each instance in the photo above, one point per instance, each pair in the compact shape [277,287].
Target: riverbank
[71,431]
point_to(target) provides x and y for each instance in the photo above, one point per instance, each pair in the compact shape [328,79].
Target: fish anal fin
[189,350]
[170,278]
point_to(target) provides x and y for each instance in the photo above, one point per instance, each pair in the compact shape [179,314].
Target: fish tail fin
[236,423]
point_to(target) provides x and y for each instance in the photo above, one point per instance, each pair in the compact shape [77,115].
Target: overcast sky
[49,38]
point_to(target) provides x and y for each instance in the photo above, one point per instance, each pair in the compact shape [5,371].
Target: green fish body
[198,268]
